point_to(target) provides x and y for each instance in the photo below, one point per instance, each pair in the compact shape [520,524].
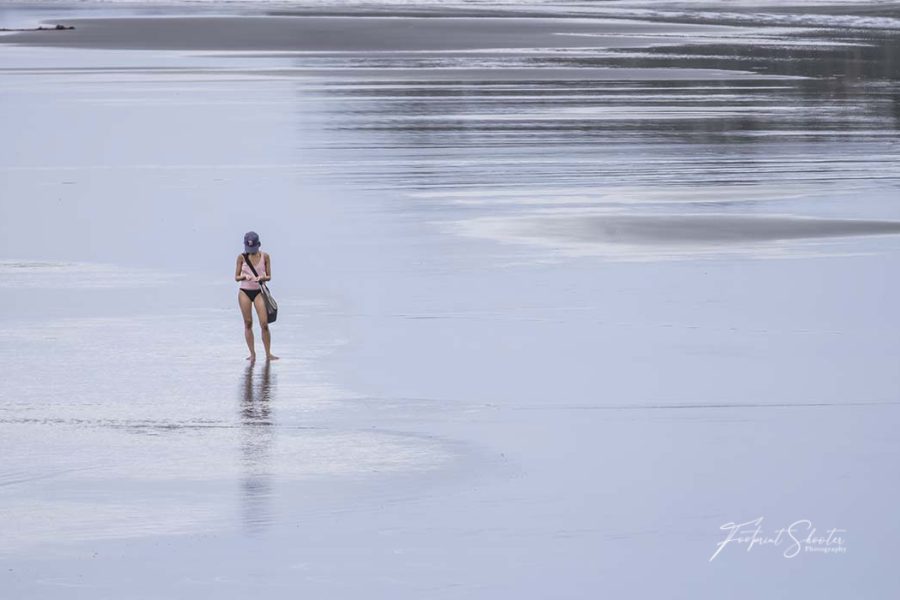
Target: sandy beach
[352,33]
[564,290]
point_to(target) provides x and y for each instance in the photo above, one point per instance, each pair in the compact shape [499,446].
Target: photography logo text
[799,536]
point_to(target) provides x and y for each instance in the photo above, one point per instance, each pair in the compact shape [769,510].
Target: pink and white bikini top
[260,269]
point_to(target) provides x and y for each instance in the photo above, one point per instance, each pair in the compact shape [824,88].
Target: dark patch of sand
[358,33]
[693,229]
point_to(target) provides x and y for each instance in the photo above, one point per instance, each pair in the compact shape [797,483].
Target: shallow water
[549,316]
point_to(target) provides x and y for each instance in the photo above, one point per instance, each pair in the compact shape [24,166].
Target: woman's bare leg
[260,305]
[247,313]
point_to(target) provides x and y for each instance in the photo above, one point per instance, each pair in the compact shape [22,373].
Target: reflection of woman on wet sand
[249,292]
[257,436]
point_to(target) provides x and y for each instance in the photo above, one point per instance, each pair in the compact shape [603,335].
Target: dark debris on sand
[42,28]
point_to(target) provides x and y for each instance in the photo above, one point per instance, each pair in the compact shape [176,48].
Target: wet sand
[550,315]
[350,34]
[723,233]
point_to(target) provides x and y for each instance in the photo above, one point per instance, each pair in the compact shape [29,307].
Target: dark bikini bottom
[250,293]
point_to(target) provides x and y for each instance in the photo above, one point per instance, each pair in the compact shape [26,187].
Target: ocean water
[550,316]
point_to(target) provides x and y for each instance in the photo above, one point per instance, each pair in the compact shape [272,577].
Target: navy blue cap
[251,242]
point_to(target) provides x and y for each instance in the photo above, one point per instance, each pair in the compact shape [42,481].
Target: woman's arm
[238,276]
[268,268]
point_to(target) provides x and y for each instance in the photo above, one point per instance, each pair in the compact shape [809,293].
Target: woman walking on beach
[249,293]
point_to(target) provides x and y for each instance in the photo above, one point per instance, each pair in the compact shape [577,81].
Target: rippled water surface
[550,314]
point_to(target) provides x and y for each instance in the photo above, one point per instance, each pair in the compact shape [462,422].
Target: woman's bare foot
[252,358]
[271,357]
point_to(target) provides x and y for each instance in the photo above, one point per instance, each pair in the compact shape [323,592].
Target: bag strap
[250,264]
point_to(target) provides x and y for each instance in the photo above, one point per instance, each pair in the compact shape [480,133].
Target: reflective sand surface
[552,311]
